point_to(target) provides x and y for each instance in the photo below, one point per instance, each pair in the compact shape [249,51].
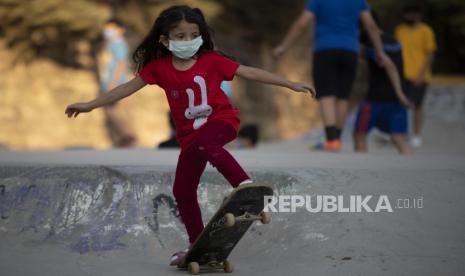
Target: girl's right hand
[74,109]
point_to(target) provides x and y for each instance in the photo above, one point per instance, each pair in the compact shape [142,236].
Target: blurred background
[51,52]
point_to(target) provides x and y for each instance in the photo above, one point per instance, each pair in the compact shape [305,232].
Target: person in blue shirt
[116,70]
[336,47]
[116,73]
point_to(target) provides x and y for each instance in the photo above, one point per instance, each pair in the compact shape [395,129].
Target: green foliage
[54,28]
[258,20]
[48,27]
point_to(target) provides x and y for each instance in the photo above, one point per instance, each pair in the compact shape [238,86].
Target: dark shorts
[416,94]
[334,72]
[389,117]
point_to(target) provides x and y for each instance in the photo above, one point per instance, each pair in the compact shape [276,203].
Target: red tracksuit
[205,121]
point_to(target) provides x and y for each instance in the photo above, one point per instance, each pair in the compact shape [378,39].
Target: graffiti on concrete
[20,197]
[158,201]
[161,200]
[2,200]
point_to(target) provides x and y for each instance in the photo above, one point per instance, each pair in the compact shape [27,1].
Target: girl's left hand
[303,87]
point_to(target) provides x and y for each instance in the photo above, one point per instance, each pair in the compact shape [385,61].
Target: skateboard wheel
[229,220]
[265,217]
[194,267]
[228,266]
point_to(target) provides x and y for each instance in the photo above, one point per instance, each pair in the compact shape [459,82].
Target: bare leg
[400,142]
[342,107]
[360,142]
[417,120]
[114,118]
[119,123]
[328,110]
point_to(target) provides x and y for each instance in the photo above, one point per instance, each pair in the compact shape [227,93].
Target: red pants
[208,147]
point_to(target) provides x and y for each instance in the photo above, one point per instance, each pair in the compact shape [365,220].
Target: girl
[178,55]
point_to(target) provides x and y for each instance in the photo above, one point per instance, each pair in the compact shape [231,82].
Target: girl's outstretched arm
[112,96]
[260,75]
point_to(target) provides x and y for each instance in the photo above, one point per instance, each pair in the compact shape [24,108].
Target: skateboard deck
[226,228]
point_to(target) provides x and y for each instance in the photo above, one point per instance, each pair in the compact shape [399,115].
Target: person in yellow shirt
[418,48]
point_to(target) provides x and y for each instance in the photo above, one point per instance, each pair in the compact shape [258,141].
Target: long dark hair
[151,48]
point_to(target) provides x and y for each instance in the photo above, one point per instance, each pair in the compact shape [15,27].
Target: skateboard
[226,228]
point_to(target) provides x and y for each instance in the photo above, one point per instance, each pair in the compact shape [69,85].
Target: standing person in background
[171,142]
[385,106]
[116,73]
[248,135]
[418,47]
[335,56]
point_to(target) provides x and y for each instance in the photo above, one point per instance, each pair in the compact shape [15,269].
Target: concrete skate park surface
[84,212]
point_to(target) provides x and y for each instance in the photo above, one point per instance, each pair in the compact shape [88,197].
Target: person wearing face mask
[418,47]
[178,55]
[115,72]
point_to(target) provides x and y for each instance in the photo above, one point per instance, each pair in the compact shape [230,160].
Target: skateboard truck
[210,265]
[226,265]
[230,219]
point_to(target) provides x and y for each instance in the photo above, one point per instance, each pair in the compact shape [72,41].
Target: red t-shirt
[194,95]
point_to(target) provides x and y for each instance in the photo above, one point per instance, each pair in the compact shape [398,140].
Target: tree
[51,28]
[248,30]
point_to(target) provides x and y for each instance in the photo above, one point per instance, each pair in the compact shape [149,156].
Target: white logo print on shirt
[200,112]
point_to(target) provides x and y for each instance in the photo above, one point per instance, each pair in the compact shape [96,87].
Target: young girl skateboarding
[178,55]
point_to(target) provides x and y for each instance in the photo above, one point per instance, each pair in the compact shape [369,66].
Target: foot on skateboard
[237,213]
[178,258]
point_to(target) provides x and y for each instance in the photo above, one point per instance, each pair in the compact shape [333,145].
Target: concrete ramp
[98,208]
[100,220]
[99,213]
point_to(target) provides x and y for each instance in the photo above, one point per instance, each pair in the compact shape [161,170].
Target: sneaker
[178,258]
[247,181]
[416,141]
[317,145]
[334,145]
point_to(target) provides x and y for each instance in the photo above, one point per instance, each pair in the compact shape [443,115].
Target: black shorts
[416,94]
[334,72]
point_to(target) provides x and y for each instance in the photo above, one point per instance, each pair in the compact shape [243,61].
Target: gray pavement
[84,212]
[100,220]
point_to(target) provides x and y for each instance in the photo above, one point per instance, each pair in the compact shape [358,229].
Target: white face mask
[109,34]
[185,49]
